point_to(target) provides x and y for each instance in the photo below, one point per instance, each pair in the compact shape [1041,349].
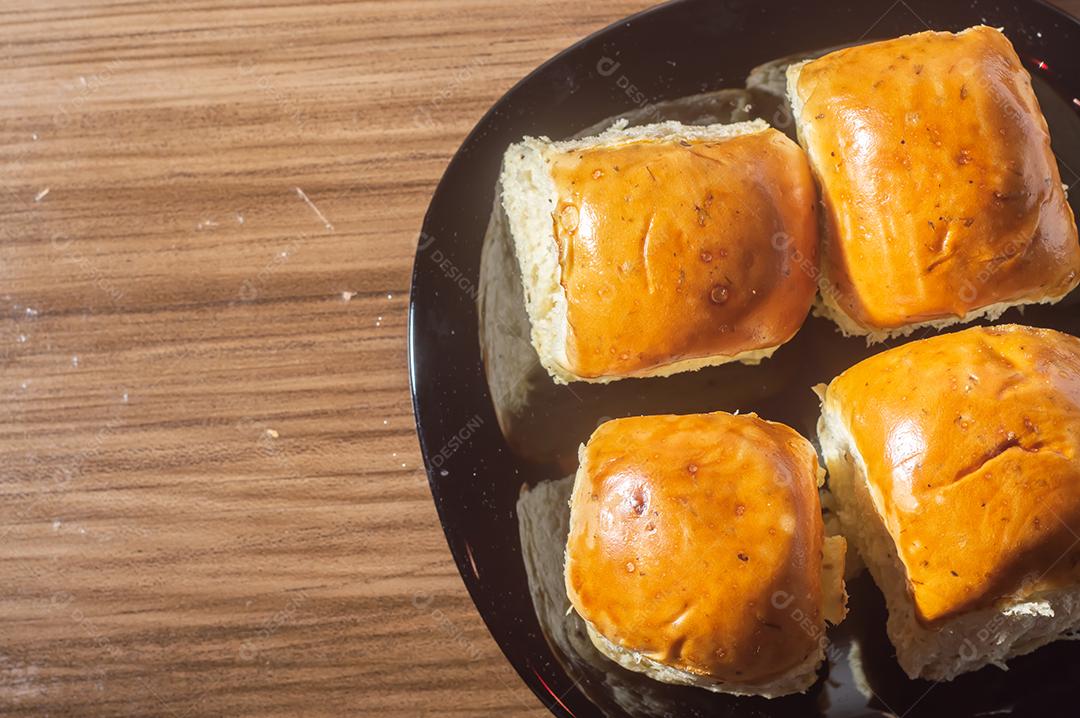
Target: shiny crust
[970,445]
[676,250]
[942,196]
[697,542]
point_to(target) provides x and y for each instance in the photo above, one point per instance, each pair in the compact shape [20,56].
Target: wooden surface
[211,499]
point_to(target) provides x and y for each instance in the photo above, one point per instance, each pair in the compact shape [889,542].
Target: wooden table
[211,498]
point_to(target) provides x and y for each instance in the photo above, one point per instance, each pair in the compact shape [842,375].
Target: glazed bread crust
[942,197]
[696,550]
[954,465]
[664,248]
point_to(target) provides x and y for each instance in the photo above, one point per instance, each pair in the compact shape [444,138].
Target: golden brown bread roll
[660,249]
[696,549]
[955,465]
[943,201]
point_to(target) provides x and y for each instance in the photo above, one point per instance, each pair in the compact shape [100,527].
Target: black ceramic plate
[497,435]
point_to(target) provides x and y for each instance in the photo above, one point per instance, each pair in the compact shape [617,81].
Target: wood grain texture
[211,499]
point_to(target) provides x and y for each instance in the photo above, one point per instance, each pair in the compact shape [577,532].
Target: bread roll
[955,466]
[942,197]
[664,248]
[696,552]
